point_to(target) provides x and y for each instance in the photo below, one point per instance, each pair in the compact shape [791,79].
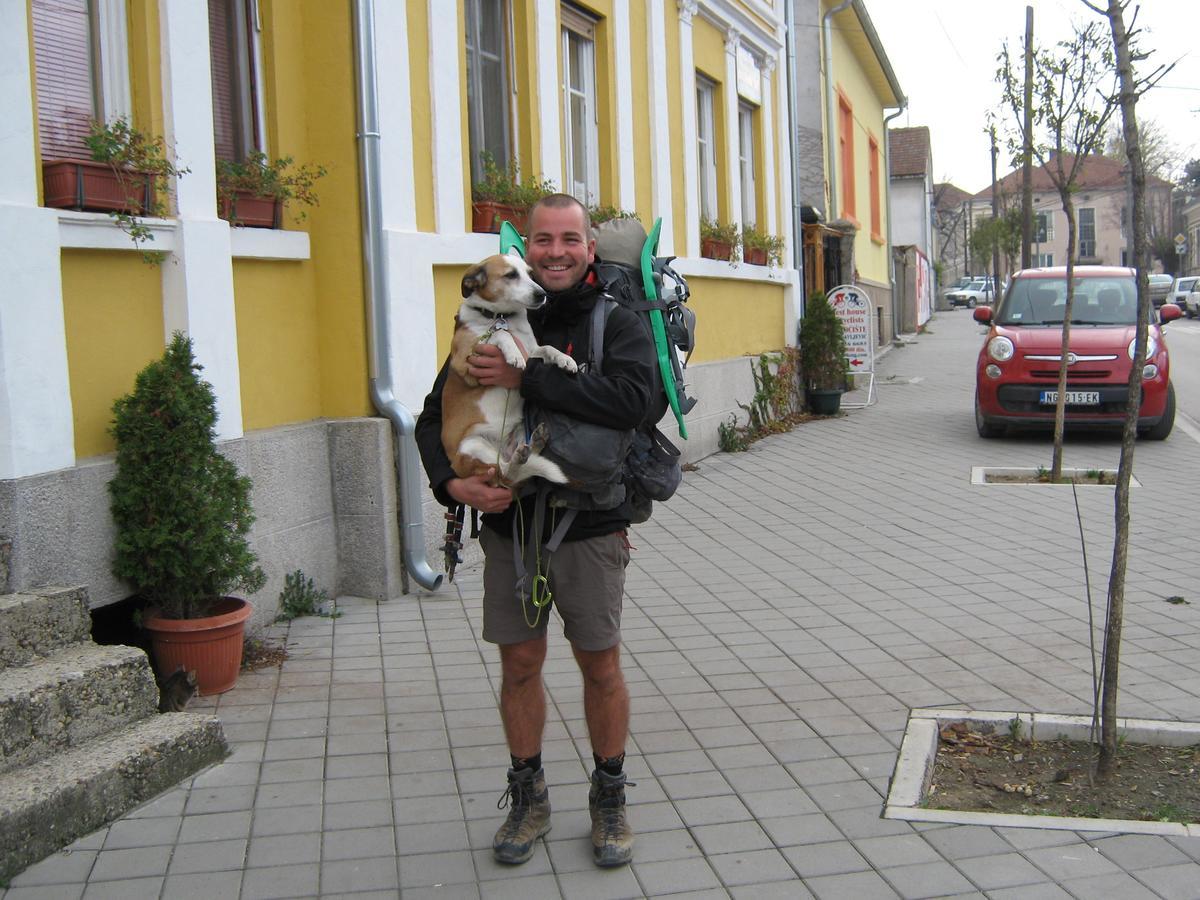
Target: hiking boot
[612,838]
[528,803]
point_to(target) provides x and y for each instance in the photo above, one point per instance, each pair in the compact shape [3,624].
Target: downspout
[887,207]
[789,15]
[830,121]
[408,475]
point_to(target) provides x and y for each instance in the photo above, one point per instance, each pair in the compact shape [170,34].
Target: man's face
[559,251]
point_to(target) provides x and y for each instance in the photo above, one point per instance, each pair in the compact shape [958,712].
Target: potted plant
[182,513]
[502,195]
[252,193]
[599,213]
[718,241]
[760,248]
[822,356]
[126,177]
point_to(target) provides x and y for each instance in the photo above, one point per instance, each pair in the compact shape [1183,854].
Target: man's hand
[486,364]
[477,492]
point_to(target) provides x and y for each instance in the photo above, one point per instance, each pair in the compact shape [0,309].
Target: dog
[484,427]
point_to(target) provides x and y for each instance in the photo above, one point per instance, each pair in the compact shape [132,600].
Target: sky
[944,55]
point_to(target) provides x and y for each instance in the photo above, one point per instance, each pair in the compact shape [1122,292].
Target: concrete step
[71,696]
[45,806]
[34,623]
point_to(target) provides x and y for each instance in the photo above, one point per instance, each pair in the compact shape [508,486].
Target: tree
[1131,87]
[1074,98]
[1161,157]
[1191,177]
[1003,234]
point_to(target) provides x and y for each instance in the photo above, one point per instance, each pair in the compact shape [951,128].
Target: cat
[176,690]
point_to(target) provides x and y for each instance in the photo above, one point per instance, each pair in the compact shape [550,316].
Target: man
[587,571]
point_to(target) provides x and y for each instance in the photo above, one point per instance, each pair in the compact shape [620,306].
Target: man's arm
[447,487]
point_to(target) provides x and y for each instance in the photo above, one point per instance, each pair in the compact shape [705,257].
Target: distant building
[951,208]
[914,247]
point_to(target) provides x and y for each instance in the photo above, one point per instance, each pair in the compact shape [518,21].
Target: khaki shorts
[587,583]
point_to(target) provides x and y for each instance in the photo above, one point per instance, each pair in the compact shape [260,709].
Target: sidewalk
[785,611]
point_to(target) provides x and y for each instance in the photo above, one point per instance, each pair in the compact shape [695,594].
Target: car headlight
[1151,347]
[1000,349]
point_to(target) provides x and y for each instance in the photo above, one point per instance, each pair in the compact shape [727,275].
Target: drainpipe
[408,475]
[789,14]
[887,206]
[830,121]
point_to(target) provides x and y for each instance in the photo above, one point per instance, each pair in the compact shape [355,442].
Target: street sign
[853,306]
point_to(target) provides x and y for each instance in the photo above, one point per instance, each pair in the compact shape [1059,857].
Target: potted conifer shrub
[182,513]
[822,356]
[253,193]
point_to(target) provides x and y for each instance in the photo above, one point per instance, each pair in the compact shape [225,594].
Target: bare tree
[1074,98]
[1131,87]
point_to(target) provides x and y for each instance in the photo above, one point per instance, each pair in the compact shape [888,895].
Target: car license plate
[1074,398]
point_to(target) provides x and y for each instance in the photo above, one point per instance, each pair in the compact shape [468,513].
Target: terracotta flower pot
[711,248]
[755,256]
[252,211]
[486,216]
[212,646]
[96,187]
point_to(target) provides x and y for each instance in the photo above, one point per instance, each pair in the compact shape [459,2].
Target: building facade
[306,331]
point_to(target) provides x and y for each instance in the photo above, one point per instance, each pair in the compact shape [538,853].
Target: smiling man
[586,574]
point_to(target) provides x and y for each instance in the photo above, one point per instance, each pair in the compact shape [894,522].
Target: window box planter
[711,248]
[249,210]
[96,187]
[487,216]
[755,256]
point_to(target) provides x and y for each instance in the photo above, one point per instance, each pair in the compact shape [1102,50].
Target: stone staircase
[81,738]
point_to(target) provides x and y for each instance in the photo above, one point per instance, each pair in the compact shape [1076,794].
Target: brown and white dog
[484,427]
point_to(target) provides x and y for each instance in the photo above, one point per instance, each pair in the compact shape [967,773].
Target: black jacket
[617,398]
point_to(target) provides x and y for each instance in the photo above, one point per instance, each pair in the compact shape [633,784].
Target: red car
[1016,377]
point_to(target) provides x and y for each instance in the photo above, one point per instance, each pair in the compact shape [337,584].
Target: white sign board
[749,79]
[853,307]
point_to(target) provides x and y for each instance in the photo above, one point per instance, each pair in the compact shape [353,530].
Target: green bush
[300,597]
[280,179]
[181,509]
[822,345]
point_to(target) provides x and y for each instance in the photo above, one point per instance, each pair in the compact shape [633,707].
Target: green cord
[539,591]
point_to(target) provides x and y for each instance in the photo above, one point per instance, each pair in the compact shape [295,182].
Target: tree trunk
[1060,407]
[1116,578]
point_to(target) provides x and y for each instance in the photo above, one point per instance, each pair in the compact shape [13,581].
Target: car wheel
[1191,313]
[983,426]
[1160,431]
[970,303]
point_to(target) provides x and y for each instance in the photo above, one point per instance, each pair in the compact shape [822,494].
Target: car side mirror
[983,314]
[1169,312]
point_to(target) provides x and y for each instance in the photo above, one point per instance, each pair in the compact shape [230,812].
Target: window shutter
[578,21]
[222,63]
[66,95]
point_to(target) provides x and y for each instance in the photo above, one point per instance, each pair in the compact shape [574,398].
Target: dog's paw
[566,363]
[516,360]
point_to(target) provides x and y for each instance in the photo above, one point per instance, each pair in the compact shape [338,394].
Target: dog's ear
[475,278]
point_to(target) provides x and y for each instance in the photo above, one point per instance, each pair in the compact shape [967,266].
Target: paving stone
[752,867]
[1117,886]
[59,868]
[137,862]
[429,869]
[832,858]
[354,875]
[125,889]
[965,841]
[1077,860]
[283,849]
[859,885]
[1004,870]
[929,879]
[895,850]
[675,876]
[211,856]
[281,881]
[1173,882]
[1139,851]
[208,885]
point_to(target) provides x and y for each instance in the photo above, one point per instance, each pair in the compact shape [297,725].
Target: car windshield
[975,286]
[1098,301]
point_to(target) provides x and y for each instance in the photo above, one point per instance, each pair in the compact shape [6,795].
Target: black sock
[611,766]
[526,762]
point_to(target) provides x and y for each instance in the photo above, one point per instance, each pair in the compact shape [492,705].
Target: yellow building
[321,335]
[845,87]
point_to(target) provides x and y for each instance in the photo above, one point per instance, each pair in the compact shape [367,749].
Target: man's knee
[601,668]
[521,663]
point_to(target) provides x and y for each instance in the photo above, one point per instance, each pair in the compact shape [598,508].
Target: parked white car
[1181,294]
[976,293]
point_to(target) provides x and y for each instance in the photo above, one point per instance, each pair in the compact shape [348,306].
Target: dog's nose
[539,291]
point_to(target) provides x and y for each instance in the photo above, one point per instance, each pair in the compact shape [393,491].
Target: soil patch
[259,654]
[1095,476]
[1003,773]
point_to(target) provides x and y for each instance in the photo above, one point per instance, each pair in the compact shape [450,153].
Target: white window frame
[746,154]
[580,29]
[1043,260]
[706,147]
[473,20]
[1091,241]
[1047,219]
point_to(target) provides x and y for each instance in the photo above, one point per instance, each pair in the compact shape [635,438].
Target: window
[873,177]
[1087,232]
[579,105]
[1043,259]
[1043,228]
[746,156]
[846,154]
[487,83]
[706,146]
[233,54]
[82,71]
